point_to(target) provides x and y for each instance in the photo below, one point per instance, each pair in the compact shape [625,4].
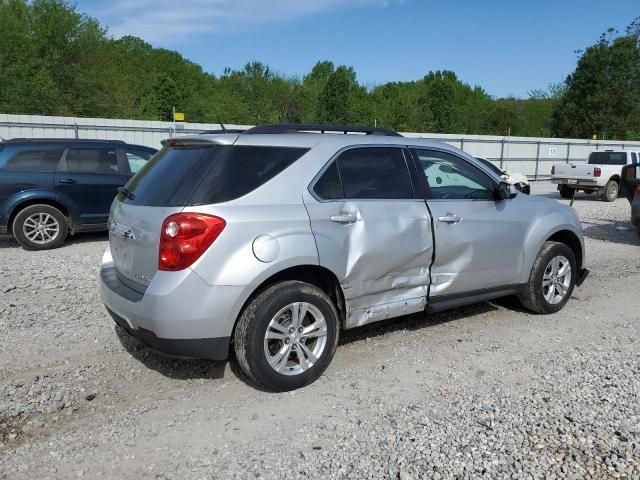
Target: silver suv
[271,241]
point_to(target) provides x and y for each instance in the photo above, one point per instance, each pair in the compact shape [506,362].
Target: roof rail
[54,140]
[220,131]
[301,128]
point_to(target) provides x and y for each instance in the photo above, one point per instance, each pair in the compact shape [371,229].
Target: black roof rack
[54,140]
[301,128]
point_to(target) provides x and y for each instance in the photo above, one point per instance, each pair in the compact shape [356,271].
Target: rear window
[608,158]
[195,175]
[30,158]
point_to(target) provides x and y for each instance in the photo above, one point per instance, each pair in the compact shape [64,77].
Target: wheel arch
[317,275]
[571,240]
[37,200]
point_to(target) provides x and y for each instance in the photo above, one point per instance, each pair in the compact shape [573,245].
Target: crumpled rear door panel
[381,259]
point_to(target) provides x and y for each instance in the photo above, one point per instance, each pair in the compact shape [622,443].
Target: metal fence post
[568,150]
[537,162]
[462,144]
[501,153]
[75,129]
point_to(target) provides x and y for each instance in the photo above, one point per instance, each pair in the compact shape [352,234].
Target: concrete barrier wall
[531,156]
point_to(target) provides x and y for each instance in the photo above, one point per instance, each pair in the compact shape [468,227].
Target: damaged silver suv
[269,242]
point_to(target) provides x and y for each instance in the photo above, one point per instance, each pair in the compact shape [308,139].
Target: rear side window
[328,186]
[608,158]
[92,160]
[634,157]
[30,158]
[375,173]
[241,170]
[195,175]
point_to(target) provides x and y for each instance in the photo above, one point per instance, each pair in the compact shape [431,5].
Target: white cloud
[174,20]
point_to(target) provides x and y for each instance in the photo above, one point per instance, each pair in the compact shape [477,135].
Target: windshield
[608,158]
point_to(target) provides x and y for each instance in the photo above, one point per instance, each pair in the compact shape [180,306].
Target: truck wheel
[566,192]
[552,279]
[611,191]
[40,227]
[286,336]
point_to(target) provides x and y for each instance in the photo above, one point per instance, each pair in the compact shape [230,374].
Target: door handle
[344,218]
[450,218]
[67,180]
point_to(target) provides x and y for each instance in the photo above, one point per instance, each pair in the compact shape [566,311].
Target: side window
[92,160]
[30,159]
[450,177]
[137,158]
[374,172]
[328,186]
[634,157]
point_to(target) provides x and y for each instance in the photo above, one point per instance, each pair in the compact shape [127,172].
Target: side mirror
[506,191]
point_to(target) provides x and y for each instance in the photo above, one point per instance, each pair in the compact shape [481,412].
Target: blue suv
[52,187]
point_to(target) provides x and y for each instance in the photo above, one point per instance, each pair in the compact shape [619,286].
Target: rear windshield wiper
[126,193]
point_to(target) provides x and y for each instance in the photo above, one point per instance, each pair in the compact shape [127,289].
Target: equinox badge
[122,230]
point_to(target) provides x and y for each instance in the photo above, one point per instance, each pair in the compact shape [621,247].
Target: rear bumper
[582,183]
[204,348]
[178,313]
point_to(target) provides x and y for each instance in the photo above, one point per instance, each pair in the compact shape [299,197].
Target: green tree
[161,97]
[603,94]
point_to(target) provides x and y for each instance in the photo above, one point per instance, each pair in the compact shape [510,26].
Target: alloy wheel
[556,279]
[41,228]
[295,338]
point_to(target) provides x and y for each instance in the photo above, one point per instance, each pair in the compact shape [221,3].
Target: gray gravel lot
[486,391]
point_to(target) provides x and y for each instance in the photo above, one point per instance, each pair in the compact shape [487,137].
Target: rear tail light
[553,170]
[637,192]
[185,237]
[597,172]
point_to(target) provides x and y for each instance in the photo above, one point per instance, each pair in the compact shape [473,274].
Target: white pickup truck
[600,174]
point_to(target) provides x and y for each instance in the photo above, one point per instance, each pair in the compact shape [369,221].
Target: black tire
[611,191]
[524,188]
[532,298]
[56,239]
[249,335]
[566,192]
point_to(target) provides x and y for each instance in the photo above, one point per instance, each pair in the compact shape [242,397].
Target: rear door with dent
[373,230]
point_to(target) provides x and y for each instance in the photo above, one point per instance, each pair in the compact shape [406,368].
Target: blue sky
[506,47]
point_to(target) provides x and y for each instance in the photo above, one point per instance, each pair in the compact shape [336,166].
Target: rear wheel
[552,279]
[566,192]
[40,227]
[286,336]
[611,191]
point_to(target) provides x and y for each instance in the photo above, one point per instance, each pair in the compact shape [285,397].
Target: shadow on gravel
[176,368]
[8,241]
[419,321]
[608,231]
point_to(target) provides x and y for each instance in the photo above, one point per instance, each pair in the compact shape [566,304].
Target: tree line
[55,60]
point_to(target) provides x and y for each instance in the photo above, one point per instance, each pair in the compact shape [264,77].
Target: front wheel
[552,279]
[611,191]
[286,336]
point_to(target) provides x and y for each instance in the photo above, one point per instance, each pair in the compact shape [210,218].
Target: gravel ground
[487,390]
